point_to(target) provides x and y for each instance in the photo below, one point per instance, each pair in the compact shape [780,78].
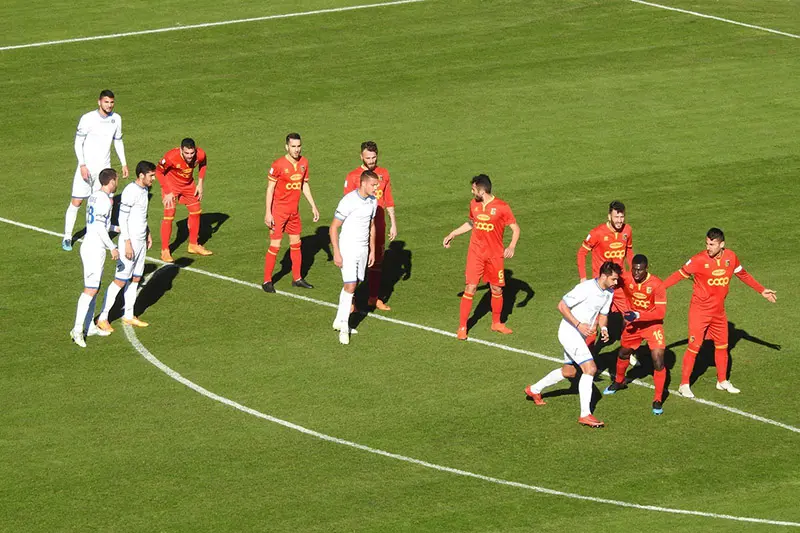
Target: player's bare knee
[568,371]
[589,368]
[350,287]
[119,282]
[294,239]
[625,353]
[76,202]
[90,292]
[470,288]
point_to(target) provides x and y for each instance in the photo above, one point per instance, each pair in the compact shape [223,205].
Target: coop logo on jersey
[615,245]
[618,254]
[718,272]
[484,217]
[483,226]
[719,282]
[296,186]
[644,304]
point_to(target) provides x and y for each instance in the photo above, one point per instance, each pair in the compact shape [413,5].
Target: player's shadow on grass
[396,266]
[209,225]
[511,293]
[310,246]
[705,357]
[158,284]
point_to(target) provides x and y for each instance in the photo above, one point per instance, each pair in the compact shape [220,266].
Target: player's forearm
[566,312]
[602,321]
[119,147]
[333,233]
[390,212]
[308,195]
[269,195]
[674,278]
[582,252]
[462,229]
[749,280]
[372,235]
[79,150]
[201,174]
[515,231]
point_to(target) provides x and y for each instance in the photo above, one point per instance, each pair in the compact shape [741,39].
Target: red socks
[497,306]
[721,360]
[466,307]
[687,366]
[297,260]
[622,366]
[269,262]
[194,226]
[659,378]
[166,227]
[374,281]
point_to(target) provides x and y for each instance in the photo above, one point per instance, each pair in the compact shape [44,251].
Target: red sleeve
[659,310]
[305,172]
[675,277]
[162,169]
[274,171]
[745,276]
[510,219]
[350,183]
[201,165]
[583,250]
[387,192]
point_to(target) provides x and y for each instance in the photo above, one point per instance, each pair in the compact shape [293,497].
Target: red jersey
[712,277]
[173,172]
[648,298]
[289,176]
[489,221]
[384,192]
[606,244]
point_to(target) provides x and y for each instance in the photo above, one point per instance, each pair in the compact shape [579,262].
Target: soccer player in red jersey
[369,161]
[488,218]
[610,241]
[175,175]
[647,305]
[288,177]
[712,271]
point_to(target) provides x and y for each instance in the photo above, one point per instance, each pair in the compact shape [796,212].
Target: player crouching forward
[488,218]
[646,301]
[582,310]
[136,237]
[354,249]
[93,254]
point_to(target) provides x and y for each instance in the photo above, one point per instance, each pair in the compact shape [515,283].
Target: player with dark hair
[712,271]
[610,241]
[647,306]
[288,177]
[175,175]
[488,218]
[369,161]
[584,309]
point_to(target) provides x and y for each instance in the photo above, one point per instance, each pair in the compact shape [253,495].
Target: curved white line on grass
[206,25]
[152,359]
[720,19]
[433,330]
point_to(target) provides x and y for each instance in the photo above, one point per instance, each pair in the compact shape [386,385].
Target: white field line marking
[429,329]
[144,352]
[207,25]
[712,17]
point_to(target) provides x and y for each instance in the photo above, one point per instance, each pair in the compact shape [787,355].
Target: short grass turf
[691,122]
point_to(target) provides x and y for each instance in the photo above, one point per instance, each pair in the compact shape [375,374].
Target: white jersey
[356,214]
[133,213]
[93,140]
[586,301]
[98,221]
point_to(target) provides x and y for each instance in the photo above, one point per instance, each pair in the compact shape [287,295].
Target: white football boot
[77,338]
[728,386]
[94,330]
[685,391]
[337,326]
[344,336]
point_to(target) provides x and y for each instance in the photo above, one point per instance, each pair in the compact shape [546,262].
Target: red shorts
[633,335]
[490,269]
[184,194]
[380,236]
[704,326]
[285,223]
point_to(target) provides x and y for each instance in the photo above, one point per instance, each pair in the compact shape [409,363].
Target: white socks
[69,220]
[343,312]
[585,393]
[108,303]
[550,379]
[130,298]
[84,301]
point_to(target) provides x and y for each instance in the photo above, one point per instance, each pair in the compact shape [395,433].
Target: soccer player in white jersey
[354,249]
[93,254]
[583,310]
[96,130]
[135,240]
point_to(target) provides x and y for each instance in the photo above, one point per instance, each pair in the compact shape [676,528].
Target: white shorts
[131,268]
[93,258]
[81,189]
[575,349]
[354,264]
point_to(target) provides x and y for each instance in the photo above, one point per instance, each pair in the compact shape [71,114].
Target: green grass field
[567,105]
